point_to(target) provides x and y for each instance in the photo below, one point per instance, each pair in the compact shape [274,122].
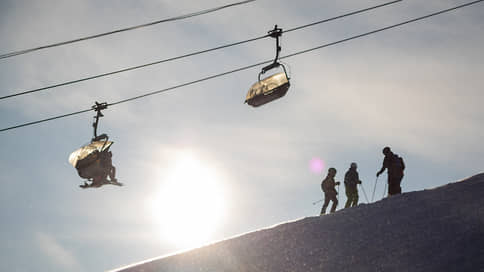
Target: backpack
[351,178]
[397,165]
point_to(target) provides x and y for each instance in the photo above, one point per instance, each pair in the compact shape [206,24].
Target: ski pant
[352,195]
[394,187]
[327,197]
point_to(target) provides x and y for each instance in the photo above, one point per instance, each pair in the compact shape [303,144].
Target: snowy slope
[432,230]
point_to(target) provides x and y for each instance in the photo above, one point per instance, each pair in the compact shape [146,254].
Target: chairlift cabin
[93,161]
[87,159]
[272,87]
[268,89]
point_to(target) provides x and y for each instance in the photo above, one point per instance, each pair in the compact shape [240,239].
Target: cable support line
[129,68]
[341,16]
[250,66]
[381,29]
[183,56]
[191,82]
[185,16]
[143,95]
[45,120]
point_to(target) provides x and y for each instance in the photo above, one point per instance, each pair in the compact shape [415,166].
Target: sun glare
[190,204]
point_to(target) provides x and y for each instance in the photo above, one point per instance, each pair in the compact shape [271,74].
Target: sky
[198,164]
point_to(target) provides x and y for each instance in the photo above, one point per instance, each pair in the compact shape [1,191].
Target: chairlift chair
[89,160]
[274,86]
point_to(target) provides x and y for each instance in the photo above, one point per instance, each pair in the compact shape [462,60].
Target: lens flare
[316,165]
[190,204]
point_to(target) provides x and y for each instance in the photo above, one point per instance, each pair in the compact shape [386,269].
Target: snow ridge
[431,230]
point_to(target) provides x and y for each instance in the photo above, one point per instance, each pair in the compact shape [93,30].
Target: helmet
[354,165]
[386,150]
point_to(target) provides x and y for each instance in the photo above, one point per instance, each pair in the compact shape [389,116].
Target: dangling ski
[97,185]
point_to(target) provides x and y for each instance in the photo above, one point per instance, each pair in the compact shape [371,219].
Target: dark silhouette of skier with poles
[395,166]
[351,181]
[330,192]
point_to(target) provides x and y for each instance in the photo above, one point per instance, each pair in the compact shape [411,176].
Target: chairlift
[274,86]
[93,161]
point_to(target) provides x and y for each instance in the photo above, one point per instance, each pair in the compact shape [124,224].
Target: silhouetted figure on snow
[351,182]
[395,166]
[330,193]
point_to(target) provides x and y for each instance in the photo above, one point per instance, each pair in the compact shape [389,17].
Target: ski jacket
[351,179]
[328,185]
[394,164]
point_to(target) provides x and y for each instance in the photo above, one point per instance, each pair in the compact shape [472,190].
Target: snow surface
[432,230]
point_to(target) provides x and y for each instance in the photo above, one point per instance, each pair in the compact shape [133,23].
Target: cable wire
[249,66]
[190,83]
[185,16]
[186,55]
[382,29]
[45,120]
[129,68]
[341,16]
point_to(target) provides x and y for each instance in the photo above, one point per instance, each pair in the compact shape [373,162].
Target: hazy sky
[198,164]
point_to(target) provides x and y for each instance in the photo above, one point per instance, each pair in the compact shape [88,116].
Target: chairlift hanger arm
[274,33]
[98,107]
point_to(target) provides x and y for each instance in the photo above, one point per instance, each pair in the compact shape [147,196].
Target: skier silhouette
[351,182]
[395,166]
[330,193]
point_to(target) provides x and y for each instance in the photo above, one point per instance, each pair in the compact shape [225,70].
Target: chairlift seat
[268,89]
[87,159]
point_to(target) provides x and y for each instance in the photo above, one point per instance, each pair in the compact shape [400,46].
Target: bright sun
[190,204]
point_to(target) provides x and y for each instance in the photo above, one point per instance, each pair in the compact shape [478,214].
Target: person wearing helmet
[351,182]
[394,166]
[330,192]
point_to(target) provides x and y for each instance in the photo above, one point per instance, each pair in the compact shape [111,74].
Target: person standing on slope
[351,182]
[330,192]
[395,166]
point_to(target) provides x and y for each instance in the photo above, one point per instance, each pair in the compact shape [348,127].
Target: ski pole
[384,190]
[364,193]
[316,202]
[337,193]
[374,188]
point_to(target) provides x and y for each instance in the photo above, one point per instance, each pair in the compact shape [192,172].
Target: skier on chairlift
[94,161]
[108,170]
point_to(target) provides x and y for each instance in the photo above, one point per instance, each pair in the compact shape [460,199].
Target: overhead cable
[47,119]
[186,55]
[185,16]
[250,66]
[341,16]
[382,29]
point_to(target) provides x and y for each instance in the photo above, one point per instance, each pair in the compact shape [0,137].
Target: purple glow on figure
[316,165]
